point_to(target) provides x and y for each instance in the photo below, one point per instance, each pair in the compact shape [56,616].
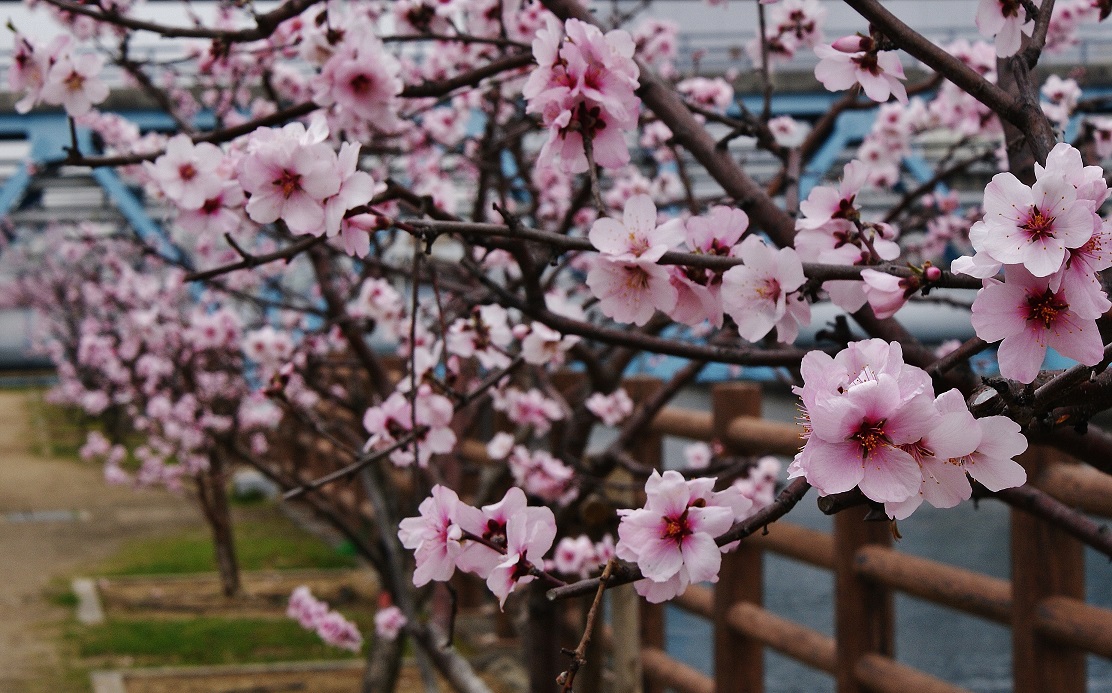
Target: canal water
[965,650]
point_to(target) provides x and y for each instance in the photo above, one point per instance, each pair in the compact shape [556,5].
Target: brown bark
[214,503]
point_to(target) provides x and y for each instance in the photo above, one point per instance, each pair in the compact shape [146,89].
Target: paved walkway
[57,518]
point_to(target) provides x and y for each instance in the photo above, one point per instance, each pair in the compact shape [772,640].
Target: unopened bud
[850,44]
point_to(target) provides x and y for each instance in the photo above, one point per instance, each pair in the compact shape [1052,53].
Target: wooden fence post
[649,451]
[738,660]
[863,613]
[1046,561]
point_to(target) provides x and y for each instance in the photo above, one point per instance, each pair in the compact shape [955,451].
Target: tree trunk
[383,662]
[214,503]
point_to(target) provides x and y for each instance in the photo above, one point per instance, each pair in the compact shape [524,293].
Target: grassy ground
[58,431]
[265,540]
[200,641]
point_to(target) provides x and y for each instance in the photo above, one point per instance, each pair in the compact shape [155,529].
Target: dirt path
[71,521]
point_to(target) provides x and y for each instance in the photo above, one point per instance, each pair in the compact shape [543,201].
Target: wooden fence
[1044,603]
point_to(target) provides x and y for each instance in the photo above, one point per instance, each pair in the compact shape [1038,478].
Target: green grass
[266,541]
[58,431]
[203,640]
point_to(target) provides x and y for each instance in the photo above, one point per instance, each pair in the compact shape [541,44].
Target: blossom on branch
[331,626]
[583,87]
[857,60]
[625,277]
[1006,20]
[672,538]
[1031,317]
[763,292]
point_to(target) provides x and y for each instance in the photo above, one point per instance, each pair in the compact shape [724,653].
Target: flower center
[846,210]
[770,289]
[868,63]
[676,528]
[360,84]
[187,172]
[637,279]
[1009,8]
[75,82]
[1045,308]
[870,436]
[495,532]
[289,183]
[1039,225]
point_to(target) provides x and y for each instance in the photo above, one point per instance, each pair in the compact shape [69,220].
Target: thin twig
[579,657]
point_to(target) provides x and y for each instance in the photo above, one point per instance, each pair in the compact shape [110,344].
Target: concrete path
[57,518]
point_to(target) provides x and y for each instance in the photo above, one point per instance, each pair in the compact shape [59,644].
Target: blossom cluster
[313,614]
[54,74]
[873,422]
[1051,243]
[583,88]
[503,543]
[760,293]
[791,25]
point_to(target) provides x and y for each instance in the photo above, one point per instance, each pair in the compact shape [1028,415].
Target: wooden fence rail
[1053,628]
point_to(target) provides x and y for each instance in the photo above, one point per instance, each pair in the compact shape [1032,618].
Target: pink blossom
[861,407]
[187,172]
[1032,226]
[543,346]
[485,334]
[331,626]
[1064,161]
[788,132]
[887,293]
[529,408]
[759,486]
[1102,136]
[613,408]
[1030,317]
[356,188]
[631,291]
[878,72]
[490,525]
[637,236]
[219,213]
[528,537]
[362,78]
[1007,21]
[500,445]
[75,84]
[543,476]
[389,621]
[337,631]
[672,539]
[993,462]
[758,295]
[288,177]
[697,455]
[30,63]
[698,290]
[434,536]
[584,83]
[392,421]
[953,435]
[574,556]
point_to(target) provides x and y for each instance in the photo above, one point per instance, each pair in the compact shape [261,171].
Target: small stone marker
[89,610]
